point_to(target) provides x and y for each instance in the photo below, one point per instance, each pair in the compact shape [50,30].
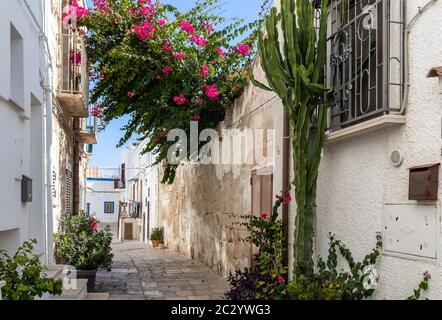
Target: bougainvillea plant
[165,68]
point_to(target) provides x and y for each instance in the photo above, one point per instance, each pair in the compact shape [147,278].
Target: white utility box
[411,230]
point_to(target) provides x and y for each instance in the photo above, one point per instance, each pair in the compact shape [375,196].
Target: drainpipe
[285,184]
[406,52]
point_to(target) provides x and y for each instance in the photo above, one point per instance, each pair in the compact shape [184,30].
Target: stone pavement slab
[140,272]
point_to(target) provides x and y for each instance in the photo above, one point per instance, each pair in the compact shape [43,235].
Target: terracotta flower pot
[156,243]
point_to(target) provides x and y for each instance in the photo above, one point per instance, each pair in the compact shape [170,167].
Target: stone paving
[143,273]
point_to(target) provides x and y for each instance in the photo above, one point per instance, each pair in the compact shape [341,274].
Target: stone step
[80,293]
[54,271]
[97,296]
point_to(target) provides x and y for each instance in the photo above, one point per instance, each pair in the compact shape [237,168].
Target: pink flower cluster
[204,71]
[97,111]
[75,57]
[101,5]
[186,26]
[286,199]
[221,52]
[208,27]
[75,11]
[145,30]
[148,8]
[179,55]
[166,47]
[167,70]
[180,100]
[211,91]
[243,49]
[198,40]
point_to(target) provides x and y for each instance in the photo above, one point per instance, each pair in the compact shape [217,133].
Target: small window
[88,206]
[109,207]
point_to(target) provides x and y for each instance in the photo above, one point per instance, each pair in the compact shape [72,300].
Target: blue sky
[105,152]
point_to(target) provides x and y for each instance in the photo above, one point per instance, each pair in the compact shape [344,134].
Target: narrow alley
[143,273]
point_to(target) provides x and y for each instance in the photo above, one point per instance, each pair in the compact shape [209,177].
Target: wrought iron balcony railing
[365,63]
[73,80]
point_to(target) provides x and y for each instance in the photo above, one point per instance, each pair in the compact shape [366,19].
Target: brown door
[262,199]
[128,231]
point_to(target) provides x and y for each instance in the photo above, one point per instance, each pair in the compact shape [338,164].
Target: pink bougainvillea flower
[130,94]
[166,47]
[97,111]
[179,55]
[196,117]
[180,100]
[427,274]
[264,216]
[243,49]
[287,199]
[186,26]
[214,62]
[221,52]
[161,22]
[94,225]
[198,40]
[208,27]
[198,100]
[158,78]
[75,57]
[211,92]
[117,20]
[204,71]
[145,30]
[167,70]
[281,280]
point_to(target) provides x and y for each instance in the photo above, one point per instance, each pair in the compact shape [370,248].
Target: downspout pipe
[407,32]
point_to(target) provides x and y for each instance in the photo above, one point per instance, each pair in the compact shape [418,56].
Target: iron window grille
[365,59]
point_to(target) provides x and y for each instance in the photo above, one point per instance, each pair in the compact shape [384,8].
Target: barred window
[365,59]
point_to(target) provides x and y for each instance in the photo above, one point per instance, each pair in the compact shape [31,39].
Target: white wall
[144,178]
[357,178]
[20,129]
[100,191]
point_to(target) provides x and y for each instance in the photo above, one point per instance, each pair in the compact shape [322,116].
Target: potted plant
[156,236]
[81,245]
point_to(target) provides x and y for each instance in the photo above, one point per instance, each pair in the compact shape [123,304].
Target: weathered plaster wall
[201,210]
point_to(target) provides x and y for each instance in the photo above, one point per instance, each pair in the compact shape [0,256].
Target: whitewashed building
[43,126]
[103,196]
[139,193]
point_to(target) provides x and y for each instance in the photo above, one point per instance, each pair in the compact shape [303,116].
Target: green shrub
[157,234]
[81,245]
[23,275]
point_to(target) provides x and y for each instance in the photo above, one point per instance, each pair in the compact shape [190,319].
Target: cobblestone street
[143,273]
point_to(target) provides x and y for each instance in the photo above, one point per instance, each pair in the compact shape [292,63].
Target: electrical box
[424,183]
[410,230]
[26,189]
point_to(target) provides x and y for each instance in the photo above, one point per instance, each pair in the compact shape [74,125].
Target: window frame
[106,203]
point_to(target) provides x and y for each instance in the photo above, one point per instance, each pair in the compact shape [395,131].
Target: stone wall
[201,210]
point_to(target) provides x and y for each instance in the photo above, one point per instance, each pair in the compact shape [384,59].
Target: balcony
[73,81]
[88,131]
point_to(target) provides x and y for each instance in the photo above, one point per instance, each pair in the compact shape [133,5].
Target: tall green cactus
[295,71]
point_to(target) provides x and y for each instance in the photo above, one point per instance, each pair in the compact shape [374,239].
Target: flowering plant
[165,68]
[82,245]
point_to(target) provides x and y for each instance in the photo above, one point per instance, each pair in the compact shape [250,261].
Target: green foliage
[266,279]
[81,245]
[357,283]
[23,275]
[122,62]
[307,288]
[157,234]
[295,71]
[423,286]
[331,283]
